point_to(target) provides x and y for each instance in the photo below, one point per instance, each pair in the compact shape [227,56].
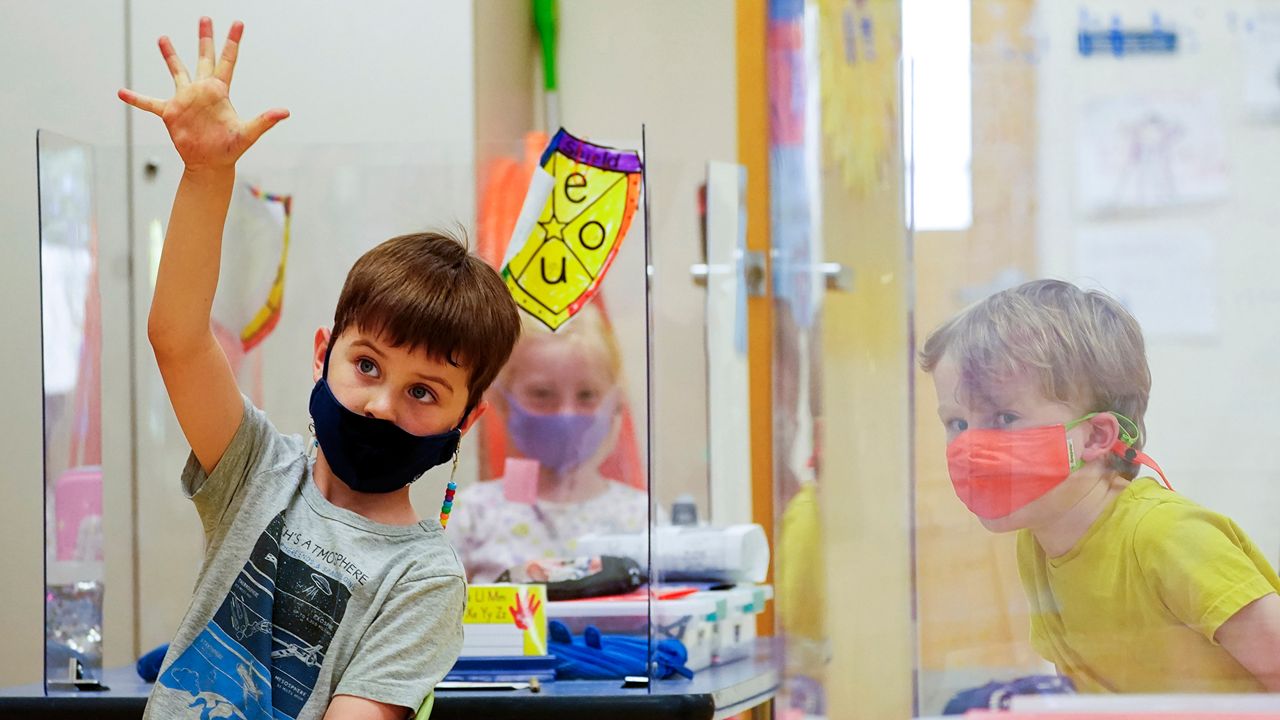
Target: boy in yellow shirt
[1132,587]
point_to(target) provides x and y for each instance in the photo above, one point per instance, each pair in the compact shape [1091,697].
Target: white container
[691,620]
[734,628]
[737,553]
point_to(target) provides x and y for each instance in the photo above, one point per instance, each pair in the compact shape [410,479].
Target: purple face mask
[560,441]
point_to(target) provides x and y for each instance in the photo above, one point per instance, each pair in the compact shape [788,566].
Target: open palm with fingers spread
[204,127]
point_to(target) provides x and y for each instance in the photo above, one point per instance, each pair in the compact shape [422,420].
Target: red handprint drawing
[523,615]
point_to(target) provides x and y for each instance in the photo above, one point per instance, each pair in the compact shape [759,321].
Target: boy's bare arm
[201,386]
[350,707]
[1252,636]
[210,138]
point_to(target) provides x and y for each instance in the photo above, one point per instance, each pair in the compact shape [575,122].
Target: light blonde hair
[1082,346]
[587,330]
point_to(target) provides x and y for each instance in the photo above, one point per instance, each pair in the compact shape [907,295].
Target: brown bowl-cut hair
[427,292]
[1082,346]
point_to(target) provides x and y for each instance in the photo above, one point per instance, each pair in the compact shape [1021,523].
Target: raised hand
[204,127]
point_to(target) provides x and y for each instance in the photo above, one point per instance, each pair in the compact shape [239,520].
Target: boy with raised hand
[321,593]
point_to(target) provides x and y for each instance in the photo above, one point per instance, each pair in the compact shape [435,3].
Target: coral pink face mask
[996,472]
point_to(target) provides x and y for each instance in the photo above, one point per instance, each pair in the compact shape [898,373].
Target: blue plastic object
[596,656]
[149,664]
[503,668]
[997,695]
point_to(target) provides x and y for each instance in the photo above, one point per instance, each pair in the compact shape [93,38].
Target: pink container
[77,497]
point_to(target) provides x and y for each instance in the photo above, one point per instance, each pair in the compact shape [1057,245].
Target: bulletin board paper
[1150,152]
[1261,54]
[1166,278]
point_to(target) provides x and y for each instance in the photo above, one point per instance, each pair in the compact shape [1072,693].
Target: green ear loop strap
[1129,433]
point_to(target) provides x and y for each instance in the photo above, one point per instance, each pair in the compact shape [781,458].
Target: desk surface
[713,694]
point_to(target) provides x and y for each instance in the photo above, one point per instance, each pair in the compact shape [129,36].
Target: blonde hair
[1082,346]
[587,329]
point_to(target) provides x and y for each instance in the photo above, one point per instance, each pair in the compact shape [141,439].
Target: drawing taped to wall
[1138,152]
[1175,295]
[1261,54]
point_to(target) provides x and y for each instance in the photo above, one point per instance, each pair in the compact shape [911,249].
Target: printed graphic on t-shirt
[261,654]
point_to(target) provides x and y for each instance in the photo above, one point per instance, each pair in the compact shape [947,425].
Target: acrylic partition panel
[558,468]
[564,466]
[973,621]
[840,377]
[709,562]
[797,369]
[71,342]
[561,451]
[566,484]
[1140,169]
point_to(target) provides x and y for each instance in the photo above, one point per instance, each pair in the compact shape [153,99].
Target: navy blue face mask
[372,455]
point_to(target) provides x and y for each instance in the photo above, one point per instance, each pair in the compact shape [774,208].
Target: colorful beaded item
[447,507]
[450,490]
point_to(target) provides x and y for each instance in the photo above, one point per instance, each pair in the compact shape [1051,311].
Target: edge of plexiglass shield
[70,323]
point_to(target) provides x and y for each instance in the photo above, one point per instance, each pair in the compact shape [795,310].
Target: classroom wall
[45,48]
[1213,411]
[504,55]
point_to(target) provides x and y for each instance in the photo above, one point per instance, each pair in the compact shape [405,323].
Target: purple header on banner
[593,155]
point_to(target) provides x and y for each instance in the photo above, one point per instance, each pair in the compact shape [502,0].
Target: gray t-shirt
[299,600]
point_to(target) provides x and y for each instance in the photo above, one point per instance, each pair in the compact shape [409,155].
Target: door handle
[753,272]
[838,277]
